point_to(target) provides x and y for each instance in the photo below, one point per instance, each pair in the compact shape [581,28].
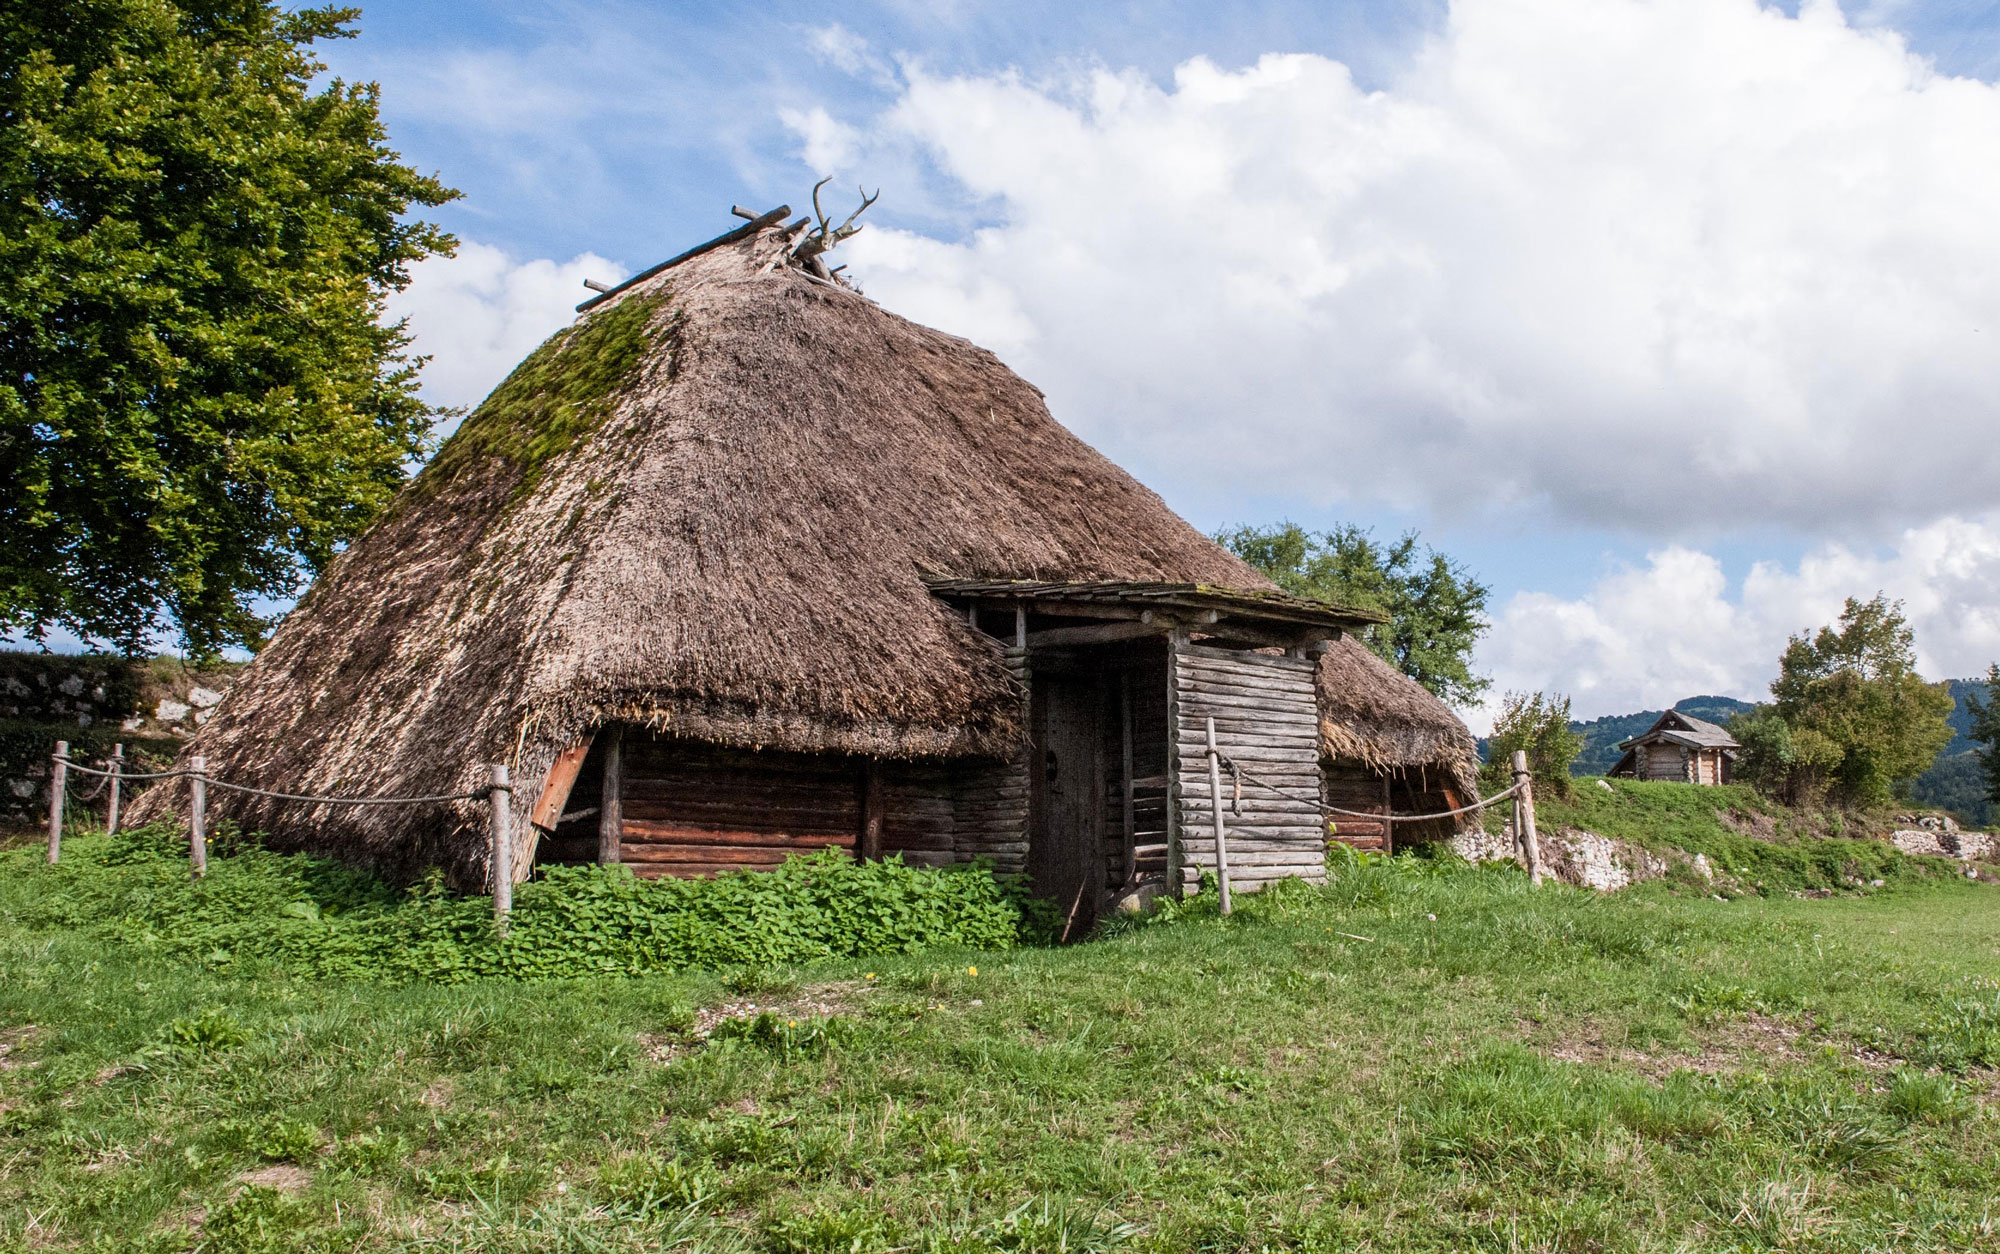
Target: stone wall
[149,705]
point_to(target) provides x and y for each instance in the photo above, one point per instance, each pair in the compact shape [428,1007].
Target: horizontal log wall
[1351,786]
[1267,719]
[693,809]
[989,801]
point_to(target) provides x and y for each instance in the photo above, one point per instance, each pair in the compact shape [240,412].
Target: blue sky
[1789,289]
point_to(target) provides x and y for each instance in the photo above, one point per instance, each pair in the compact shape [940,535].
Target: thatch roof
[1372,713]
[708,506]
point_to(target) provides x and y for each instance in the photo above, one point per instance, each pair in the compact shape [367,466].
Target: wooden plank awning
[1209,602]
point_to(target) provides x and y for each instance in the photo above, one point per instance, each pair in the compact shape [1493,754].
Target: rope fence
[498,794]
[1526,841]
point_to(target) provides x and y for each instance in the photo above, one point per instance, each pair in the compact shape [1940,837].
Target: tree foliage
[1537,724]
[199,400]
[1436,608]
[1985,729]
[1849,714]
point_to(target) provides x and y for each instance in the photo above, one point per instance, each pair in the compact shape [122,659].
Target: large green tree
[199,398]
[1436,609]
[1849,712]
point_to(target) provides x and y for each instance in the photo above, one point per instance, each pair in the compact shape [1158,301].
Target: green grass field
[1419,1057]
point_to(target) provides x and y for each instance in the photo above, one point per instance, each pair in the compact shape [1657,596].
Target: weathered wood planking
[989,801]
[1266,715]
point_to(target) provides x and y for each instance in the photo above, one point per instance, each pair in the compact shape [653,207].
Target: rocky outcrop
[1579,857]
[1948,843]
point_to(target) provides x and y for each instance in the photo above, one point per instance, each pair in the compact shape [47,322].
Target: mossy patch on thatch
[562,393]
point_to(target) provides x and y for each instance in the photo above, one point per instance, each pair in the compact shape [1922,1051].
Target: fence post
[501,798]
[1215,799]
[58,785]
[198,815]
[111,808]
[1524,818]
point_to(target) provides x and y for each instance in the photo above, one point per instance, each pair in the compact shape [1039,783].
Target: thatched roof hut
[736,510]
[1389,741]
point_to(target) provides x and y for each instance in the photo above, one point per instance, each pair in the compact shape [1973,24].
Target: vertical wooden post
[111,808]
[611,801]
[1020,627]
[1215,799]
[1524,820]
[868,843]
[501,802]
[1130,870]
[198,816]
[1388,816]
[58,788]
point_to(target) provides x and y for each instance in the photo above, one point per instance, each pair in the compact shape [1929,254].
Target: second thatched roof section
[1373,714]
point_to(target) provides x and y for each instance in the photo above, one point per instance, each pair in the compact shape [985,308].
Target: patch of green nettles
[560,394]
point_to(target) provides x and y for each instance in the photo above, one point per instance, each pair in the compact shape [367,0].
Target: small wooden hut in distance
[1681,748]
[741,565]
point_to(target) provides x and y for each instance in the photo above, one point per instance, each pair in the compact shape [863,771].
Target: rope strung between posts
[477,794]
[77,766]
[1236,770]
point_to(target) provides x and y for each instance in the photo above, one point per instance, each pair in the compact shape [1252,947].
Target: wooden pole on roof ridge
[1215,800]
[111,808]
[58,786]
[501,859]
[198,816]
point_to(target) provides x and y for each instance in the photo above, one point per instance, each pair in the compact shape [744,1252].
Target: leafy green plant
[317,919]
[651,1182]
[786,1037]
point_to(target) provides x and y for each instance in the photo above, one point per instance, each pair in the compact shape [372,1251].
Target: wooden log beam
[1100,633]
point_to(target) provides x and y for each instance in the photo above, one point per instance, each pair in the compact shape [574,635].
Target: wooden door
[1066,827]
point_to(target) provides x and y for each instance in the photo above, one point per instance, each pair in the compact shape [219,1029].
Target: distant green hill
[1601,736]
[1956,783]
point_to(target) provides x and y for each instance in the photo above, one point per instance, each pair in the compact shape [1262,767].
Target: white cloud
[479,313]
[1644,637]
[1672,265]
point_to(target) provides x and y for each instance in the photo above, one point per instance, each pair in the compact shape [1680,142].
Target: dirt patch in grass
[1736,1044]
[284,1177]
[821,1001]
[11,1042]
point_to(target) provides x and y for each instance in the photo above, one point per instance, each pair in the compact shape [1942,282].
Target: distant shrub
[312,917]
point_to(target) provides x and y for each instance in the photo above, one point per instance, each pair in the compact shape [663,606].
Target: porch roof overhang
[1272,617]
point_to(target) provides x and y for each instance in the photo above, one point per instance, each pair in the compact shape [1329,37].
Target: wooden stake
[198,816]
[1524,820]
[611,801]
[1215,799]
[501,799]
[117,769]
[58,786]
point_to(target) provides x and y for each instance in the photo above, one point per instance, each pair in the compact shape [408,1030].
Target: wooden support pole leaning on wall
[611,801]
[58,787]
[1524,818]
[111,807]
[501,860]
[1215,799]
[198,816]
